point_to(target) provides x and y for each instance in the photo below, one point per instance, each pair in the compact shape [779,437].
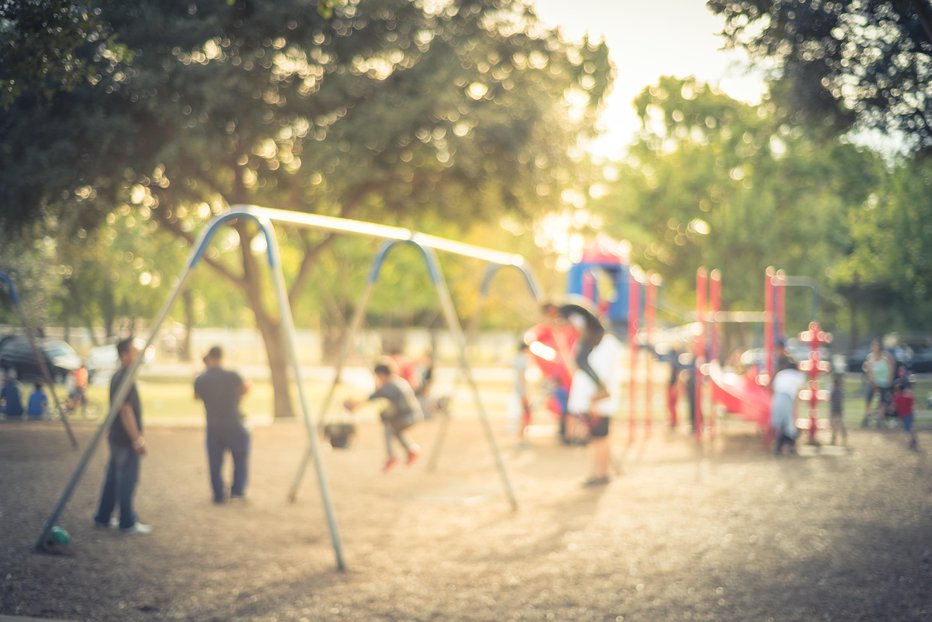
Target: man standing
[127,446]
[221,390]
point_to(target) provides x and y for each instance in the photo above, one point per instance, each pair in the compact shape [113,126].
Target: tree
[716,182]
[386,110]
[866,63]
[47,46]
[120,271]
[886,273]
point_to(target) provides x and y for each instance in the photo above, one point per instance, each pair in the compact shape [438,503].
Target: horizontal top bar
[386,232]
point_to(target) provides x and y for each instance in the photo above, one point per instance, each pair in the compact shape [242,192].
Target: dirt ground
[722,532]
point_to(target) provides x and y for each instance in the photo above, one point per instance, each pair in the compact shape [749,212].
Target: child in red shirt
[903,402]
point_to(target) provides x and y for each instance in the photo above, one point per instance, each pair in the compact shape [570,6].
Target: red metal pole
[815,338]
[652,282]
[701,285]
[589,290]
[715,303]
[780,294]
[633,312]
[768,323]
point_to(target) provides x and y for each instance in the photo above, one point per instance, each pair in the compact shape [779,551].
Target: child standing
[836,409]
[400,412]
[903,403]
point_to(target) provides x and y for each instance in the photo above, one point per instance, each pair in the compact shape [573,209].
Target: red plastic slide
[741,395]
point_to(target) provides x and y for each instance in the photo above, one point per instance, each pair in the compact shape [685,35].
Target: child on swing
[401,410]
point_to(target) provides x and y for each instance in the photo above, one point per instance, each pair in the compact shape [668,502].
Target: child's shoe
[413,455]
[390,463]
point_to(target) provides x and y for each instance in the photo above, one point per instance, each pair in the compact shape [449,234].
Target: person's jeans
[119,486]
[391,433]
[236,439]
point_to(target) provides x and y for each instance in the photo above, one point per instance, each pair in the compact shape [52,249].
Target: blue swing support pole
[40,359]
[264,217]
[485,287]
[264,221]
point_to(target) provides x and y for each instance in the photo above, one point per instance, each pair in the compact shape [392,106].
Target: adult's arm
[128,419]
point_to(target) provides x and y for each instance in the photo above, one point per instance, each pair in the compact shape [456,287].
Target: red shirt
[903,402]
[550,336]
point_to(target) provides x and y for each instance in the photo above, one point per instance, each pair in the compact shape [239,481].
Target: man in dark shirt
[221,390]
[127,446]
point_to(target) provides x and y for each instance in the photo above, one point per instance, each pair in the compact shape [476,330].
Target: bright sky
[647,40]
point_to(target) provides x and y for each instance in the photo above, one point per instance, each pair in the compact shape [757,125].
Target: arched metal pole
[40,359]
[118,398]
[290,341]
[352,331]
[471,333]
[264,216]
[446,303]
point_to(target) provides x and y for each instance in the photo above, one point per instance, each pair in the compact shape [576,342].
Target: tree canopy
[866,63]
[385,110]
[717,182]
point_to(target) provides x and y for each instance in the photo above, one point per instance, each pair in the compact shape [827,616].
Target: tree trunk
[269,328]
[279,363]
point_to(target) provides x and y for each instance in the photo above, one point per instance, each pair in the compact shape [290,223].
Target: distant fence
[245,346]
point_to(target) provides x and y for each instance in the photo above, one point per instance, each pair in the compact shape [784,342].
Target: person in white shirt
[594,392]
[786,385]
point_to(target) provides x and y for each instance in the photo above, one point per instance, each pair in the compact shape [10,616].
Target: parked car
[921,362]
[16,353]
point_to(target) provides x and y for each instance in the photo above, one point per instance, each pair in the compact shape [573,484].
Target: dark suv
[17,354]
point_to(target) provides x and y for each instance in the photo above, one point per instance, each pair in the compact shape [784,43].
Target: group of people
[890,384]
[884,380]
[578,357]
[580,361]
[36,405]
[221,391]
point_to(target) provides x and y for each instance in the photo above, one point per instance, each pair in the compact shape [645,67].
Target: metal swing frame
[425,245]
[485,287]
[264,219]
[40,359]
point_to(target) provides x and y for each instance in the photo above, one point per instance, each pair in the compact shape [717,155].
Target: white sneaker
[113,524]
[138,528]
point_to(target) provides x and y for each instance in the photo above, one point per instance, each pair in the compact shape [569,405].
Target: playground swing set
[635,296]
[337,431]
[265,218]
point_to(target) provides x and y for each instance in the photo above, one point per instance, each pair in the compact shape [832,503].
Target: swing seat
[339,434]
